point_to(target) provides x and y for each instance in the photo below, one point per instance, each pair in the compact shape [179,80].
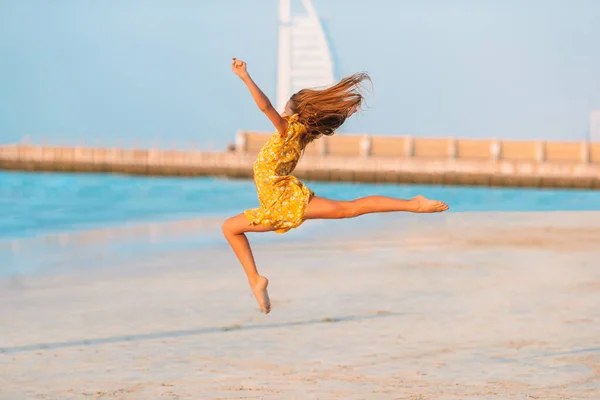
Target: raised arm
[239,68]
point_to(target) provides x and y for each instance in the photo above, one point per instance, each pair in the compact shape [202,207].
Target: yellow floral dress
[283,198]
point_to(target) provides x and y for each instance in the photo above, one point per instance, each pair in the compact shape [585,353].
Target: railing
[353,158]
[443,148]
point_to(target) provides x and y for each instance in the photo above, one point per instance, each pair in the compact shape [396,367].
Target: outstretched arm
[262,101]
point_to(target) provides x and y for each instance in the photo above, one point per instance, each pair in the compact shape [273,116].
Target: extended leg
[234,229]
[322,208]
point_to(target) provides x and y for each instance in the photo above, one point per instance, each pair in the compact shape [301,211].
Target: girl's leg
[234,229]
[322,208]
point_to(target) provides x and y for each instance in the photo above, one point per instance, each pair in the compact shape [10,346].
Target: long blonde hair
[324,111]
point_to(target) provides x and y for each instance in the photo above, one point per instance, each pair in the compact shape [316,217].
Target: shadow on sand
[189,332]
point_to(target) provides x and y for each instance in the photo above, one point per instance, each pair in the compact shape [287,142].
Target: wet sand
[455,306]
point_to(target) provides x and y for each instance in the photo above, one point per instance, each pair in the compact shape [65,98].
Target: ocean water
[54,221]
[34,204]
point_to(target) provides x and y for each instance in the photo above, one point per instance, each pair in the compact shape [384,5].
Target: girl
[285,202]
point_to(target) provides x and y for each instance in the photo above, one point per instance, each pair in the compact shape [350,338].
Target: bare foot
[424,205]
[259,288]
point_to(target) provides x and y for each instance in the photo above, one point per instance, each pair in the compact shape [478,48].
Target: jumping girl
[285,202]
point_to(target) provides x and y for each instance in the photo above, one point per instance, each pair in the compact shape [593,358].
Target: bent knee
[228,227]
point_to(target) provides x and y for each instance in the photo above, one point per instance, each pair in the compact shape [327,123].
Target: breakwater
[354,158]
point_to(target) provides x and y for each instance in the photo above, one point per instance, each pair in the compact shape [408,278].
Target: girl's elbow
[264,107]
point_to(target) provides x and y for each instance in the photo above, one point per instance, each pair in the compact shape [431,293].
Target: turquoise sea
[48,221]
[35,204]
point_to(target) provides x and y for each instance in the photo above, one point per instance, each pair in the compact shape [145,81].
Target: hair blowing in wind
[323,111]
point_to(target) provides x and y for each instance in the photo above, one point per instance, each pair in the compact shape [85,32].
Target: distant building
[595,126]
[304,57]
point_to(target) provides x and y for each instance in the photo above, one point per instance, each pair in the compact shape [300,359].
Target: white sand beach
[454,306]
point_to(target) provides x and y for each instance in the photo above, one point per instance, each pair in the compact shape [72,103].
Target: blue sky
[146,70]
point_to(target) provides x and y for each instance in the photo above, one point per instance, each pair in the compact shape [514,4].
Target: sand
[455,306]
